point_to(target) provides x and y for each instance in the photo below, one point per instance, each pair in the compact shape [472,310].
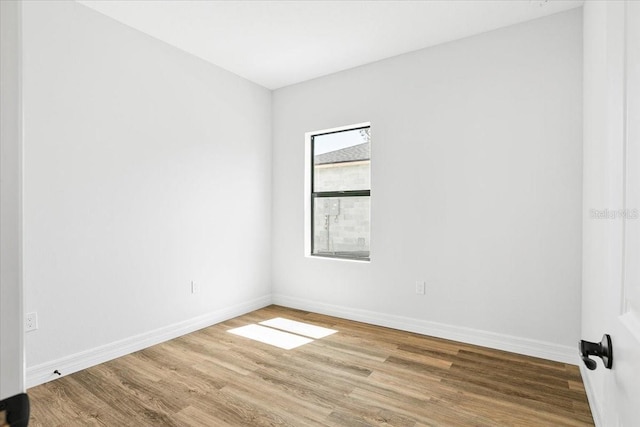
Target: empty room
[320,213]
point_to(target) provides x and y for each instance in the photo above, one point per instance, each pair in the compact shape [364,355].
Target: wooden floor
[361,376]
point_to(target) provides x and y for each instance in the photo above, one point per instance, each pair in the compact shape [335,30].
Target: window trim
[310,195]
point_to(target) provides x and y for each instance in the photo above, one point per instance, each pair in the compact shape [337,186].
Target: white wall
[476,189]
[144,168]
[11,304]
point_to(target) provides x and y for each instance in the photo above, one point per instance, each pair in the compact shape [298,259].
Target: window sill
[339,258]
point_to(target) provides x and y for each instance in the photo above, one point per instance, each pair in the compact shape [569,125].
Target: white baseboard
[591,397]
[42,373]
[529,347]
[75,362]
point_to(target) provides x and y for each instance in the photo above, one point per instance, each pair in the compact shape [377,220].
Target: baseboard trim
[43,373]
[529,347]
[591,397]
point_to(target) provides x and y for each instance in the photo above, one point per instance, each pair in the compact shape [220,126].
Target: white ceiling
[279,43]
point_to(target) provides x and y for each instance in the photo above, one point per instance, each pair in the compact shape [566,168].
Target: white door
[611,239]
[11,335]
[624,385]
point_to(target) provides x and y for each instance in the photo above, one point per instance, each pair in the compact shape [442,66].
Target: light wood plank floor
[361,376]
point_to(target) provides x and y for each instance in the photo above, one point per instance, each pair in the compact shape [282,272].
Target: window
[340,192]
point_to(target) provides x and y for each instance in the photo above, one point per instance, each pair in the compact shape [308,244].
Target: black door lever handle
[602,349]
[590,363]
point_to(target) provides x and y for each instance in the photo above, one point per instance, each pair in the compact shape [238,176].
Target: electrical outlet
[194,287]
[31,321]
[420,285]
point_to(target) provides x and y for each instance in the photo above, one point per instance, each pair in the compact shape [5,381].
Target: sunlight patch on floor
[283,333]
[271,336]
[299,328]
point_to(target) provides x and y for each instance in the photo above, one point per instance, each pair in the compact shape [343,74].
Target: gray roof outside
[350,154]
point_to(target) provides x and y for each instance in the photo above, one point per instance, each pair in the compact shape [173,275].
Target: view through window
[340,193]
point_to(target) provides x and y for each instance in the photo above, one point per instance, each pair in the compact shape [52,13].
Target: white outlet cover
[31,321]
